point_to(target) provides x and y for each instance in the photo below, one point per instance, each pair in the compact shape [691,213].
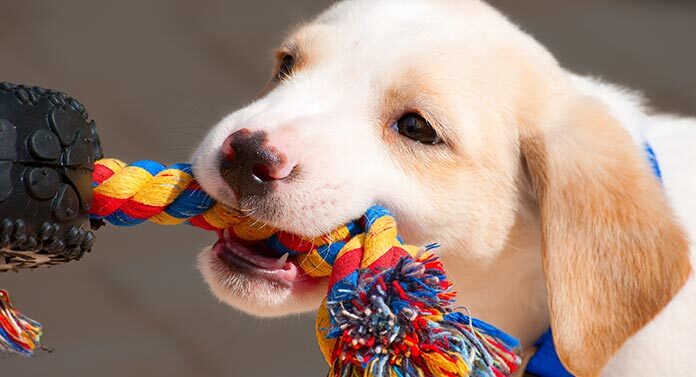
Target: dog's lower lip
[243,259]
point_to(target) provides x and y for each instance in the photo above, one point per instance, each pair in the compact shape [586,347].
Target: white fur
[328,116]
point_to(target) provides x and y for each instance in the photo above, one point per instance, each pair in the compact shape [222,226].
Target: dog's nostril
[229,153]
[262,173]
[227,149]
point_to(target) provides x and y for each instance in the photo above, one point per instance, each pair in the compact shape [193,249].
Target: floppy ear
[613,256]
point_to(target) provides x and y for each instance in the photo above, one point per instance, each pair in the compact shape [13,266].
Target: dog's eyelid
[280,52]
[287,48]
[412,111]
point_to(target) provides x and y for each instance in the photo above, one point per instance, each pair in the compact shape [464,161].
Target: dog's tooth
[226,234]
[283,259]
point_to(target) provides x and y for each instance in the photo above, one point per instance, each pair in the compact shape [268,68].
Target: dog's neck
[508,291]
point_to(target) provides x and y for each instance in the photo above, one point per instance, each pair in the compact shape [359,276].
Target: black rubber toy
[48,146]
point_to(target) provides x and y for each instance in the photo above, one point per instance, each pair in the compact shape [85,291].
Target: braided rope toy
[389,309]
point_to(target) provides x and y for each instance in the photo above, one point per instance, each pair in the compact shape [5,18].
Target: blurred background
[156,75]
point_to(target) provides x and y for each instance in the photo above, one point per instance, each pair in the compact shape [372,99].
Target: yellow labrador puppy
[536,181]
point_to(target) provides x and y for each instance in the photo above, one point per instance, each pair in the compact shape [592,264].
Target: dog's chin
[261,291]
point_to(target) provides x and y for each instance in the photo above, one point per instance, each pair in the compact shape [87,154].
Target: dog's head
[450,116]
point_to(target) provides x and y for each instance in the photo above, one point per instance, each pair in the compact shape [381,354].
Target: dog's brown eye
[287,62]
[414,127]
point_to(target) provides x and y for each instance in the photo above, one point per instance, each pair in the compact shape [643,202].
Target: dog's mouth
[256,259]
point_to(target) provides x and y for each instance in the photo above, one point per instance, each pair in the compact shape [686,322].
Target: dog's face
[389,102]
[447,114]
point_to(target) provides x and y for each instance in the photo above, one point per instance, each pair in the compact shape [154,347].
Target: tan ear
[613,256]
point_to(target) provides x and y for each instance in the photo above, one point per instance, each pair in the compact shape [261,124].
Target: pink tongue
[264,262]
[242,256]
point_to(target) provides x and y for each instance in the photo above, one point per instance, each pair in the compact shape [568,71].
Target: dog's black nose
[250,165]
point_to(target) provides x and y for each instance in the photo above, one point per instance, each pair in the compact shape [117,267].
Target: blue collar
[545,362]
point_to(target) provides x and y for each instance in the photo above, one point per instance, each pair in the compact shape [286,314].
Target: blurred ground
[155,75]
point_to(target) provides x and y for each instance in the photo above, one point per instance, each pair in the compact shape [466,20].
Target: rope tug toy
[389,310]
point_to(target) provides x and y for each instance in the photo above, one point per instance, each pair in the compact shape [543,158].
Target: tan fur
[409,94]
[613,255]
[297,47]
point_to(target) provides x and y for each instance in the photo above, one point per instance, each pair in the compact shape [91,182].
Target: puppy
[535,181]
